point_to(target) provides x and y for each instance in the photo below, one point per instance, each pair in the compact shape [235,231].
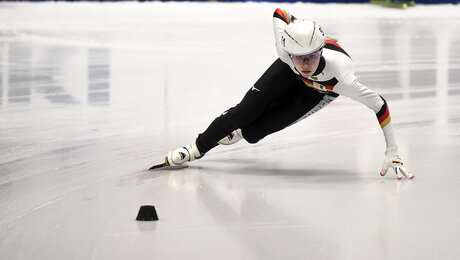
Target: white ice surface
[92,94]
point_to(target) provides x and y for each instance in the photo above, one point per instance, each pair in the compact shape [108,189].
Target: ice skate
[183,154]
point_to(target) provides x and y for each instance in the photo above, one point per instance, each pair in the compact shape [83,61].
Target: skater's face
[306,65]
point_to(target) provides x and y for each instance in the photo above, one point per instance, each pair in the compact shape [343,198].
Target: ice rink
[93,94]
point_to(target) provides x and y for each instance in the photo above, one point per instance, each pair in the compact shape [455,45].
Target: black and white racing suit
[281,96]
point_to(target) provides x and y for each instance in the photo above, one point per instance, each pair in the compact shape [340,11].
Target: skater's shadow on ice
[328,175]
[251,167]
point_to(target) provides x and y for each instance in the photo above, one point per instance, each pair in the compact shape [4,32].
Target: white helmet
[302,37]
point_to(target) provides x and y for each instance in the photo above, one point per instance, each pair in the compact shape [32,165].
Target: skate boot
[232,138]
[183,154]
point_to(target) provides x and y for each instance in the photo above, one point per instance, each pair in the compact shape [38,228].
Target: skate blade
[167,167]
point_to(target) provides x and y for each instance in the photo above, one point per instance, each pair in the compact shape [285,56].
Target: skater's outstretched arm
[349,86]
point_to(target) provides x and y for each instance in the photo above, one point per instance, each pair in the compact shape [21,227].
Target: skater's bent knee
[252,135]
[251,140]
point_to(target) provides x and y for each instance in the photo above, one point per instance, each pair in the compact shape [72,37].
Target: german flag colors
[281,14]
[333,45]
[384,114]
[322,87]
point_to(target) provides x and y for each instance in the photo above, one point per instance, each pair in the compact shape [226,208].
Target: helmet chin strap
[321,65]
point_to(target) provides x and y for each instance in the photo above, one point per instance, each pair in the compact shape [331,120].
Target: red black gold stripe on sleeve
[384,114]
[281,14]
[330,44]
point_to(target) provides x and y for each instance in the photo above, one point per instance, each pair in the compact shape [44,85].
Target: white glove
[394,162]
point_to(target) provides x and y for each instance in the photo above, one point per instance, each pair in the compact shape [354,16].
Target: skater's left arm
[349,86]
[281,18]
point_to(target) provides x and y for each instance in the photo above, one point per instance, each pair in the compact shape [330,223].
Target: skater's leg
[275,82]
[291,110]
